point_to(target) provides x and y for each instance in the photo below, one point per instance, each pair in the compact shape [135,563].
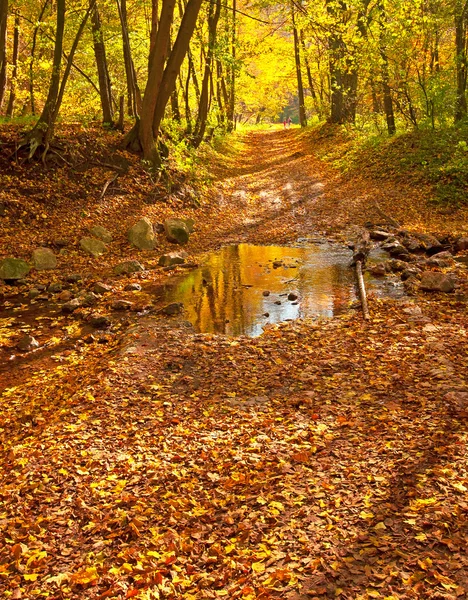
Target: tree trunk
[14,74]
[153,87]
[43,131]
[133,91]
[461,62]
[154,30]
[33,56]
[313,91]
[387,94]
[3,53]
[175,60]
[297,56]
[102,69]
[203,107]
[232,74]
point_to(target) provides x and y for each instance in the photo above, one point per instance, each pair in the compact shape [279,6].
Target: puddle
[228,293]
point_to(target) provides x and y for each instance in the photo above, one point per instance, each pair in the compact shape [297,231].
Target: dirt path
[320,460]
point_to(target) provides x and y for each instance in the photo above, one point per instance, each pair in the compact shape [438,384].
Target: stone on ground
[43,259]
[436,282]
[127,267]
[101,288]
[27,343]
[13,268]
[142,235]
[93,246]
[101,233]
[177,231]
[175,308]
[171,259]
[71,305]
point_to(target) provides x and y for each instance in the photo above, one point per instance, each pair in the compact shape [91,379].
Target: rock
[27,343]
[127,267]
[409,272]
[88,299]
[65,296]
[101,288]
[175,308]
[266,314]
[132,287]
[461,244]
[379,235]
[396,265]
[412,244]
[100,321]
[158,228]
[121,305]
[378,270]
[55,287]
[93,246]
[43,259]
[71,305]
[439,261]
[411,284]
[430,244]
[74,278]
[34,293]
[101,233]
[396,250]
[171,259]
[266,293]
[60,243]
[278,302]
[277,264]
[13,268]
[41,287]
[292,296]
[189,223]
[434,281]
[142,236]
[177,231]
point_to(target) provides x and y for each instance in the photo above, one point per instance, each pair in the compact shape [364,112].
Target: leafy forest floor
[322,459]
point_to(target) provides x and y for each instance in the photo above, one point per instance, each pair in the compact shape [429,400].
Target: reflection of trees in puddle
[225,295]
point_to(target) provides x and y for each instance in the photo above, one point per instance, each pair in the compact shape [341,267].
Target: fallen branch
[107,184]
[362,290]
[390,219]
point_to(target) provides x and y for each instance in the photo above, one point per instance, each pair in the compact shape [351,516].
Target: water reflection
[226,294]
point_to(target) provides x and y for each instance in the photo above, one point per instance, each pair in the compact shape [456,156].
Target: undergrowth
[438,158]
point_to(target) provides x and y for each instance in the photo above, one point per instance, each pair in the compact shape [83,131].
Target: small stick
[362,290]
[390,219]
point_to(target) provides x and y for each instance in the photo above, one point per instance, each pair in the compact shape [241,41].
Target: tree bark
[14,74]
[157,60]
[387,94]
[203,108]
[133,91]
[102,69]
[3,53]
[154,30]
[297,57]
[33,56]
[175,60]
[461,62]
[232,73]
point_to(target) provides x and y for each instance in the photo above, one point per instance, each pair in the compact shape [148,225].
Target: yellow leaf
[379,526]
[373,593]
[460,487]
[420,537]
[229,548]
[258,567]
[85,576]
[31,576]
[261,500]
[366,515]
[277,505]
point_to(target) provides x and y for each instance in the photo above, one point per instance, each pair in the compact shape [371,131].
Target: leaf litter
[323,459]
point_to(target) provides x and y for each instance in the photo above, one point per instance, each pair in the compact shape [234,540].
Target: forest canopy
[207,66]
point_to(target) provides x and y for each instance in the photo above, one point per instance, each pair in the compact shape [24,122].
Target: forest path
[270,186]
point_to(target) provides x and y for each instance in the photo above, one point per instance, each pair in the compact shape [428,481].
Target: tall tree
[461,58]
[14,73]
[105,91]
[3,48]
[297,57]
